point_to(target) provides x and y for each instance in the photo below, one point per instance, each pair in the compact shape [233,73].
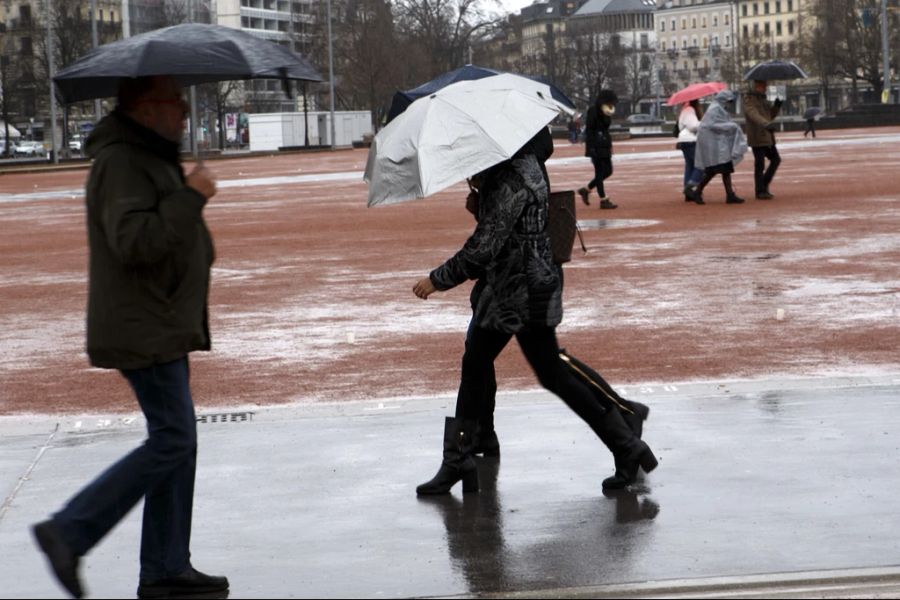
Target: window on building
[112,16]
[715,21]
[766,29]
[27,48]
[790,5]
[744,10]
[778,28]
[727,41]
[766,6]
[683,24]
[663,47]
[673,24]
[746,31]
[645,62]
[790,28]
[662,25]
[25,16]
[755,8]
[703,22]
[706,42]
[780,49]
[778,6]
[756,30]
[645,41]
[694,23]
[726,18]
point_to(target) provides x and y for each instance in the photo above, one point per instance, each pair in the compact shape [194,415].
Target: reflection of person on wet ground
[494,555]
[518,293]
[720,146]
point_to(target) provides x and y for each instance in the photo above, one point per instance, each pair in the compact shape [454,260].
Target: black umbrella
[812,112]
[192,52]
[775,69]
[465,73]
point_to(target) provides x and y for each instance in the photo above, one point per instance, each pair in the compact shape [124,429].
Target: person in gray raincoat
[518,293]
[720,145]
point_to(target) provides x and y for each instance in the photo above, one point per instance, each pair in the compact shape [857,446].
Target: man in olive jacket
[760,117]
[150,259]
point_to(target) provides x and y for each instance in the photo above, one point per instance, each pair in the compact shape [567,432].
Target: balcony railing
[693,51]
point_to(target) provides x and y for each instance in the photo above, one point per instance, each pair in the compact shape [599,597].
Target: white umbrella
[455,133]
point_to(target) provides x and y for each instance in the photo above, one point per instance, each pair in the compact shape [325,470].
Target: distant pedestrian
[760,122]
[720,145]
[598,146]
[811,115]
[810,127]
[148,285]
[688,125]
[572,127]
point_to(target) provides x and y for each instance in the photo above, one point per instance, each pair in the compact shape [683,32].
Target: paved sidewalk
[755,478]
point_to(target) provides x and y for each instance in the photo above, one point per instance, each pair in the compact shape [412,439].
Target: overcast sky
[514,6]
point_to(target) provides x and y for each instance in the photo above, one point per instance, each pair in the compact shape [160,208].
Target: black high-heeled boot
[634,413]
[458,464]
[630,452]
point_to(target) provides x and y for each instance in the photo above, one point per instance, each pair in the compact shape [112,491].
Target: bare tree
[367,55]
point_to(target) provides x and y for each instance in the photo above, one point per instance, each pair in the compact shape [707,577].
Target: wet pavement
[781,488]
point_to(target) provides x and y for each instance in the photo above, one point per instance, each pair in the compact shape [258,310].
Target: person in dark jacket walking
[598,146]
[760,117]
[149,271]
[518,293]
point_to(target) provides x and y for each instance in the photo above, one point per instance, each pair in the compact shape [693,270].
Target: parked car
[29,148]
[642,119]
[75,146]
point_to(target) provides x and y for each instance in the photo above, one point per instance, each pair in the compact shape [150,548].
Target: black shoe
[62,559]
[191,583]
[764,196]
[607,203]
[585,195]
[734,199]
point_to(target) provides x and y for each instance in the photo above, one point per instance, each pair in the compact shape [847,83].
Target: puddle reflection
[585,542]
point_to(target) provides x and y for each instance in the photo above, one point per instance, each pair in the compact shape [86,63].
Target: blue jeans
[161,471]
[692,175]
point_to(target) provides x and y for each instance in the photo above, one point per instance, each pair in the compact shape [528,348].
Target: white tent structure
[14,133]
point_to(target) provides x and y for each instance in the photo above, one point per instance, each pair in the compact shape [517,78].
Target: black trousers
[763,176]
[603,168]
[540,347]
[810,127]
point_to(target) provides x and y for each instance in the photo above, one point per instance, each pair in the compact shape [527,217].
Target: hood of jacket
[119,128]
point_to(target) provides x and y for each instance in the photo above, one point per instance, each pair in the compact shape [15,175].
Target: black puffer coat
[509,252]
[150,250]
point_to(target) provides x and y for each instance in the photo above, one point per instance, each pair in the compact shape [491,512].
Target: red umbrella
[694,91]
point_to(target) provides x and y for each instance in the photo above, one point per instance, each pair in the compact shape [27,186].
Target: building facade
[696,40]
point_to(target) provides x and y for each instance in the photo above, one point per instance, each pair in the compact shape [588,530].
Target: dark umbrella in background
[193,53]
[775,69]
[465,73]
[812,112]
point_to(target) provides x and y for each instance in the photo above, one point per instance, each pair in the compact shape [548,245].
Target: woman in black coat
[518,293]
[598,145]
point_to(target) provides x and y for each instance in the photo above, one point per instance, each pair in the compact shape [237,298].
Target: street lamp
[330,73]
